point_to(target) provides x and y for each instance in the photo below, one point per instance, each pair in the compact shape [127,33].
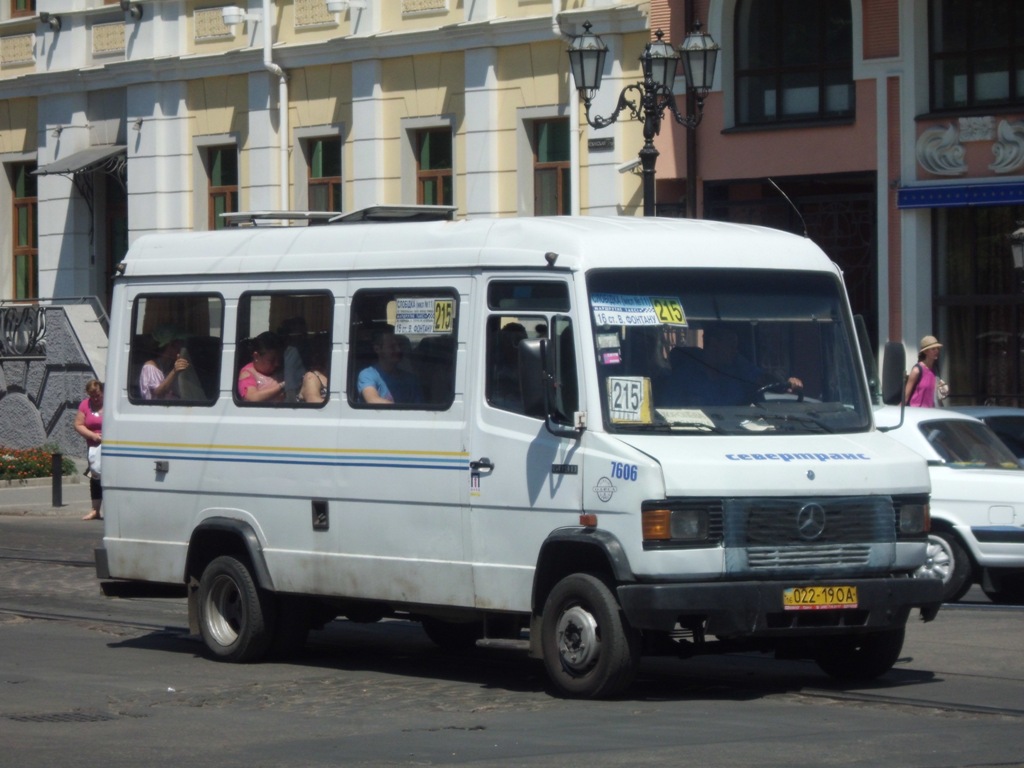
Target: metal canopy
[85,161]
[78,167]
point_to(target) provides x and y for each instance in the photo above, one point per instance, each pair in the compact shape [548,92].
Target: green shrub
[24,464]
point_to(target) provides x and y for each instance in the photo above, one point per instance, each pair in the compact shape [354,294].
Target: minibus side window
[516,314]
[175,349]
[283,349]
[504,332]
[402,349]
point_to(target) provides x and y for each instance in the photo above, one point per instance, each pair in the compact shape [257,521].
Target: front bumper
[753,609]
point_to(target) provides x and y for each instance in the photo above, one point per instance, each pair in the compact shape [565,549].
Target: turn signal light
[657,524]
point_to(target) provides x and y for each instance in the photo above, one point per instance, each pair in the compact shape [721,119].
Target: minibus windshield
[725,351]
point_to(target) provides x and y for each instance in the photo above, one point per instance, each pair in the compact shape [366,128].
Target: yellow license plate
[819,598]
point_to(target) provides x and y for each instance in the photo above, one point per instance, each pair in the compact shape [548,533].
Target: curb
[35,482]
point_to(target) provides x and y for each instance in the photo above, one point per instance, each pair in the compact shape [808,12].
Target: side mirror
[539,386]
[894,366]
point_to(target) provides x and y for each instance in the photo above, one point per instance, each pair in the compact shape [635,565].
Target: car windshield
[967,444]
[718,351]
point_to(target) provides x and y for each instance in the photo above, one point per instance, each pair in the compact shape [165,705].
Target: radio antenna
[795,209]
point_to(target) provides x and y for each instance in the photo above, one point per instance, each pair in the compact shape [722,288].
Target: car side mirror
[894,366]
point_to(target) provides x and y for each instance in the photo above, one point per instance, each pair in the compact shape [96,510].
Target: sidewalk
[35,497]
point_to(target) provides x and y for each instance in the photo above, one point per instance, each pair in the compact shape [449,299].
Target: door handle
[482,463]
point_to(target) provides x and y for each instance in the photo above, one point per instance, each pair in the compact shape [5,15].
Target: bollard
[57,474]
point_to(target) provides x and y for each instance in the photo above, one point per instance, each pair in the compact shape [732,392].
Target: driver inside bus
[723,376]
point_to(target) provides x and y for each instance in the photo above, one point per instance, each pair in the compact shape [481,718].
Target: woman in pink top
[921,380]
[260,381]
[89,424]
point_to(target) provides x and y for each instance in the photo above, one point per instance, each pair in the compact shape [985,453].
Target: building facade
[890,131]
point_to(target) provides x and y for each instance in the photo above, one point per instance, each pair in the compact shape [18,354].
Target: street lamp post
[653,95]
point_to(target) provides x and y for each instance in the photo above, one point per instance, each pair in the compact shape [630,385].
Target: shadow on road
[400,649]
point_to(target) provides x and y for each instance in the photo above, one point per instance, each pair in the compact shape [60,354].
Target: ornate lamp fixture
[653,95]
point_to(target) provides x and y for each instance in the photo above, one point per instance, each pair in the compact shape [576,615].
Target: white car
[977,501]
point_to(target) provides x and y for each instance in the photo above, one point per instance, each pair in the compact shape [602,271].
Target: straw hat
[928,342]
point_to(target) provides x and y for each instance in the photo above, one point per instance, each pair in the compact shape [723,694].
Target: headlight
[914,519]
[684,526]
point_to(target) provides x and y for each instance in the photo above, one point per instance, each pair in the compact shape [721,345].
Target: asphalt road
[86,680]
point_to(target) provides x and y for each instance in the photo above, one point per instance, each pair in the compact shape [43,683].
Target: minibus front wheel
[236,617]
[590,651]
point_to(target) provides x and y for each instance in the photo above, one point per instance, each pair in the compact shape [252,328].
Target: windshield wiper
[802,418]
[695,424]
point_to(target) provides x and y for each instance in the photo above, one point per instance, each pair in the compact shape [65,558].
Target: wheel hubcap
[224,611]
[578,642]
[938,563]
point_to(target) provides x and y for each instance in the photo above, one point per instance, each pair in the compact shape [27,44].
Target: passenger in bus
[314,381]
[293,334]
[384,382]
[505,391]
[157,379]
[260,380]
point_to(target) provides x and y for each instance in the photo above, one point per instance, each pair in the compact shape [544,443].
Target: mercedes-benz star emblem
[810,521]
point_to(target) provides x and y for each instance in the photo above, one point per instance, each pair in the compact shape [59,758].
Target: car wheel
[236,617]
[864,657]
[590,650]
[946,559]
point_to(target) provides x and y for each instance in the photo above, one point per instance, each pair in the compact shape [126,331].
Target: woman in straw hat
[922,380]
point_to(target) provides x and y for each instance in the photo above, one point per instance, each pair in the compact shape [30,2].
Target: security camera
[632,165]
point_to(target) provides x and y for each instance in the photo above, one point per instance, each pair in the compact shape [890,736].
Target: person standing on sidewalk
[922,380]
[89,424]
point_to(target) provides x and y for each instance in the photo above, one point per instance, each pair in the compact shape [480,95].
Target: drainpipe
[282,103]
[574,121]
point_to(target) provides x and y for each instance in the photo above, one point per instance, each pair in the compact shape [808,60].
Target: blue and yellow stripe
[278,455]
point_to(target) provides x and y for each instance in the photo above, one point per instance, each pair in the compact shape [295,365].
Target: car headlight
[915,519]
[675,525]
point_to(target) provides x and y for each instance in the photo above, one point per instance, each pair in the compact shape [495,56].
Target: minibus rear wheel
[236,617]
[590,651]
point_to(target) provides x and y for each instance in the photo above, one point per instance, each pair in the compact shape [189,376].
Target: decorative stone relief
[977,129]
[424,6]
[17,49]
[939,151]
[1009,147]
[312,13]
[108,38]
[209,24]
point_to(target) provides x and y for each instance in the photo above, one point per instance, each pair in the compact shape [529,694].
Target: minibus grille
[809,534]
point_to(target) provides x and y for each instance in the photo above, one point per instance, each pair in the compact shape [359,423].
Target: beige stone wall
[18,125]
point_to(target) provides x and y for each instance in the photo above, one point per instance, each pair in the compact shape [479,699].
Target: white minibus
[603,437]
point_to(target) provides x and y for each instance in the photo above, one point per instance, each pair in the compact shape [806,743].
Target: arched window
[794,61]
